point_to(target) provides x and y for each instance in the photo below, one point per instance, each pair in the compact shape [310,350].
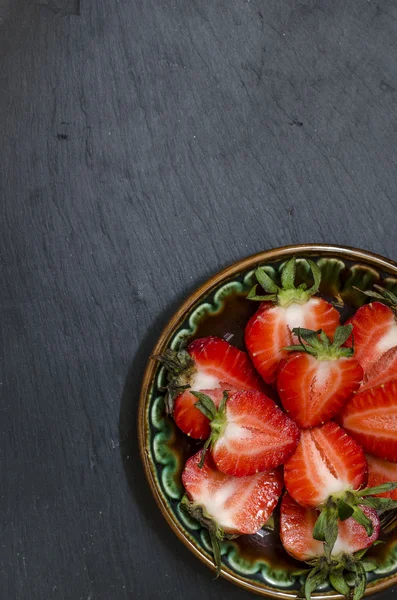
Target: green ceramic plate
[219,307]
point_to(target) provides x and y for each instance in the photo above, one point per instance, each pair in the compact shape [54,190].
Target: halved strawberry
[318,378]
[228,506]
[336,563]
[249,433]
[375,327]
[381,471]
[381,371]
[326,462]
[269,331]
[371,419]
[207,363]
[296,531]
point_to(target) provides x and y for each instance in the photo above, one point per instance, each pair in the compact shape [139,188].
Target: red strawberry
[380,472]
[249,433]
[371,418]
[228,506]
[375,327]
[381,371]
[297,525]
[318,378]
[326,462]
[296,530]
[208,363]
[334,563]
[191,420]
[237,504]
[269,331]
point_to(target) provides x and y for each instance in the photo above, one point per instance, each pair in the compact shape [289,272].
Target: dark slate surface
[145,144]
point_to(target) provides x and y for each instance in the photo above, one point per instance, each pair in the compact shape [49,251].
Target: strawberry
[318,378]
[371,419]
[207,363]
[381,371]
[381,471]
[228,506]
[296,531]
[375,327]
[327,461]
[269,331]
[336,563]
[249,433]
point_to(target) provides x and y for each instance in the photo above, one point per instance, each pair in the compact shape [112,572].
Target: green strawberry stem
[318,344]
[346,505]
[382,295]
[338,571]
[217,417]
[180,369]
[216,533]
[287,293]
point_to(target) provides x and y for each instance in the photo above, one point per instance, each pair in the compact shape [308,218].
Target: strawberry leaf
[338,582]
[265,281]
[180,368]
[216,551]
[318,344]
[379,489]
[358,555]
[369,566]
[360,583]
[288,274]
[361,518]
[342,334]
[331,534]
[319,527]
[315,578]
[252,295]
[206,405]
[380,504]
[382,295]
[308,335]
[387,294]
[316,271]
[344,510]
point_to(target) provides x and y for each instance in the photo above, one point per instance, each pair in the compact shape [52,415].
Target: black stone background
[145,144]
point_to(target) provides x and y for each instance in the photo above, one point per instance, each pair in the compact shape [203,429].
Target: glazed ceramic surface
[219,307]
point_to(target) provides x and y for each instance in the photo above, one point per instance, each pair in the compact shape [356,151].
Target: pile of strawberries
[304,421]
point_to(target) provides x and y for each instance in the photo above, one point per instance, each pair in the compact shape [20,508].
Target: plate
[257,563]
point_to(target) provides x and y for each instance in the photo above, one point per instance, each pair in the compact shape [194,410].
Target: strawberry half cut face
[269,331]
[374,332]
[249,433]
[326,462]
[336,564]
[371,419]
[228,506]
[318,378]
[297,525]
